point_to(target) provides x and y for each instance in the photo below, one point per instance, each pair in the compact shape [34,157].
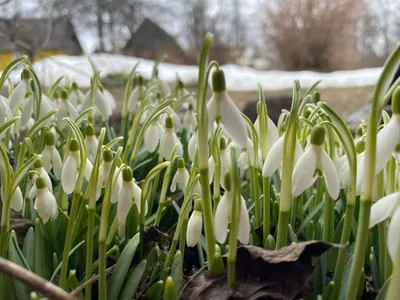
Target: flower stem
[256,194]
[283,228]
[266,209]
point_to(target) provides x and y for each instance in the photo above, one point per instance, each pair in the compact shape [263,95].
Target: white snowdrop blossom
[192,145]
[195,225]
[45,202]
[103,101]
[223,217]
[169,140]
[128,192]
[273,135]
[75,96]
[275,156]
[313,163]
[385,208]
[189,120]
[222,109]
[5,111]
[181,177]
[136,94]
[153,135]
[50,156]
[65,109]
[38,167]
[91,142]
[70,168]
[17,199]
[22,95]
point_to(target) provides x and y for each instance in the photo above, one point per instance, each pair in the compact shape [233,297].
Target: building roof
[149,39]
[40,33]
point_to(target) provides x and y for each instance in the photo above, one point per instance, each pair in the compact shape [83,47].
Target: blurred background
[252,37]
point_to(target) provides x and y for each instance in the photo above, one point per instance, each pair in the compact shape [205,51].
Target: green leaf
[383,291]
[72,251]
[121,268]
[22,172]
[21,289]
[39,265]
[177,271]
[38,124]
[309,217]
[10,68]
[28,249]
[169,289]
[155,291]
[133,281]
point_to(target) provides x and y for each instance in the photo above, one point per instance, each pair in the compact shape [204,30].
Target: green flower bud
[317,135]
[140,80]
[107,155]
[25,75]
[396,101]
[73,145]
[218,81]
[198,206]
[181,163]
[170,289]
[222,143]
[33,87]
[90,131]
[49,138]
[127,174]
[74,86]
[258,108]
[38,163]
[180,84]
[56,94]
[359,131]
[316,97]
[270,243]
[190,108]
[40,183]
[360,146]
[219,269]
[64,95]
[397,148]
[169,123]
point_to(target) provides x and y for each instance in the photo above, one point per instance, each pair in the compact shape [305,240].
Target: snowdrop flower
[91,142]
[22,95]
[181,177]
[103,101]
[45,203]
[225,161]
[69,171]
[65,109]
[153,135]
[313,163]
[5,111]
[273,135]
[50,156]
[189,120]
[195,225]
[104,174]
[275,156]
[136,94]
[169,140]
[17,199]
[46,106]
[222,109]
[388,207]
[192,145]
[222,216]
[169,112]
[184,94]
[387,139]
[38,166]
[76,96]
[129,190]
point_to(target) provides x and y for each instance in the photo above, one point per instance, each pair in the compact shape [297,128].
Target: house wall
[7,57]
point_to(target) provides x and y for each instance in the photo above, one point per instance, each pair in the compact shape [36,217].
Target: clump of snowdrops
[198,170]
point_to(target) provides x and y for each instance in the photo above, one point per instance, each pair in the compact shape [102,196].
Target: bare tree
[313,34]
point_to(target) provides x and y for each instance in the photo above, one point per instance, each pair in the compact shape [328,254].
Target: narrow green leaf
[39,124]
[133,281]
[155,291]
[309,217]
[177,271]
[121,268]
[72,251]
[21,289]
[383,291]
[28,248]
[169,289]
[39,265]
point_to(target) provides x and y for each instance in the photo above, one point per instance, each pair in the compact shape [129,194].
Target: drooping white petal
[298,151]
[192,146]
[393,237]
[26,111]
[274,158]
[304,170]
[133,100]
[243,233]
[91,144]
[189,121]
[46,178]
[137,196]
[225,163]
[167,144]
[56,162]
[232,119]
[152,136]
[331,176]
[46,157]
[221,219]
[69,173]
[44,204]
[88,169]
[211,169]
[273,135]
[103,105]
[117,179]
[17,200]
[360,172]
[174,183]
[384,208]
[110,99]
[194,228]
[72,111]
[125,201]
[386,141]
[17,95]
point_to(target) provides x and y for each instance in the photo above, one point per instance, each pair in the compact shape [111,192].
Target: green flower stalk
[378,102]
[287,169]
